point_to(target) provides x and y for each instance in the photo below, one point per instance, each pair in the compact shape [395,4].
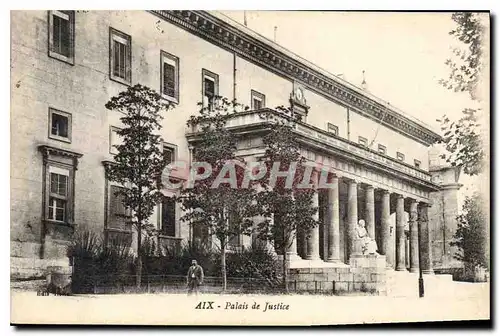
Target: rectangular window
[59,125]
[120,52]
[61,35]
[168,154]
[58,194]
[382,149]
[114,140]
[258,100]
[362,141]
[417,163]
[118,213]
[334,129]
[210,87]
[168,216]
[400,156]
[169,76]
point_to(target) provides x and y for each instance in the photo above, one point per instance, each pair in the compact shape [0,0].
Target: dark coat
[196,273]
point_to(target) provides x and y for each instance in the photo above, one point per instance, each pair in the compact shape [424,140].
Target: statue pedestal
[376,261]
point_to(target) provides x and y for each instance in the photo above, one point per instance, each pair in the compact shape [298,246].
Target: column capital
[411,200]
[367,185]
[352,180]
[425,204]
[399,195]
[384,191]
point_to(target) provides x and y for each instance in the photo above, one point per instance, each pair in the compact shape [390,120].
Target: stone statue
[364,243]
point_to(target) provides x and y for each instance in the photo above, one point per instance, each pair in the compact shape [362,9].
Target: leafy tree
[291,206]
[462,138]
[140,161]
[471,237]
[218,205]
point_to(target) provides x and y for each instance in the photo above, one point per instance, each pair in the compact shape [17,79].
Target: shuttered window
[168,216]
[170,76]
[61,35]
[120,56]
[117,211]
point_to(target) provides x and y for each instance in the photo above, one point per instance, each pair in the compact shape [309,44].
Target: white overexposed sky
[403,54]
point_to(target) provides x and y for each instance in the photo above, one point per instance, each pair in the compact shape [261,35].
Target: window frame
[163,232]
[172,147]
[362,141]
[68,115]
[165,56]
[127,213]
[119,35]
[57,170]
[335,127]
[258,96]
[57,159]
[113,129]
[211,75]
[50,40]
[382,149]
[400,156]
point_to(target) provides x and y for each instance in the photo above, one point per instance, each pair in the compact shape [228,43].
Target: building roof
[229,34]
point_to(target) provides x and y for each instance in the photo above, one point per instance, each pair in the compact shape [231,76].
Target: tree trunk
[138,271]
[223,267]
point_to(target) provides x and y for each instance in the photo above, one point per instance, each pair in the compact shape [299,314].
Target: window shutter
[169,80]
[168,216]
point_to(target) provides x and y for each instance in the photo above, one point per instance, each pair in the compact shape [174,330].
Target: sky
[403,56]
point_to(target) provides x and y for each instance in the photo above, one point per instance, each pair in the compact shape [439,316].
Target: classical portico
[344,203]
[390,196]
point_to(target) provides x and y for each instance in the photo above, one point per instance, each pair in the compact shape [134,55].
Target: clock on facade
[299,94]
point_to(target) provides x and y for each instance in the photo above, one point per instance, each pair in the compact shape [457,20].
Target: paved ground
[460,301]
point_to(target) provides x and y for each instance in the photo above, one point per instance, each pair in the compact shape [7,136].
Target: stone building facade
[65,65]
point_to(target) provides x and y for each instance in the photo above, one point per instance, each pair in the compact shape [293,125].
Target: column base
[312,258]
[413,270]
[428,271]
[401,268]
[292,256]
[334,261]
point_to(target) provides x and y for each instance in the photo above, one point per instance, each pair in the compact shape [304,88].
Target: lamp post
[420,278]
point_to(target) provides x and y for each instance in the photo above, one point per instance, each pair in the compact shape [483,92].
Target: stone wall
[364,274]
[442,218]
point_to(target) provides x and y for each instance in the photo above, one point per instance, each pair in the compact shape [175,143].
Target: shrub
[252,262]
[177,263]
[94,261]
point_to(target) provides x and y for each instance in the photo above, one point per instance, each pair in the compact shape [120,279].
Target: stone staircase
[405,284]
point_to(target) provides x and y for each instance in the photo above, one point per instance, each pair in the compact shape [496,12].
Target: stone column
[413,237]
[370,211]
[400,233]
[385,229]
[332,217]
[313,237]
[352,215]
[425,252]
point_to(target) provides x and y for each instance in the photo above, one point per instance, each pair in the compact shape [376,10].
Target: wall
[392,140]
[442,219]
[82,89]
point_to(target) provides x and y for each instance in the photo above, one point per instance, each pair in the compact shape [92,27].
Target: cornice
[221,33]
[48,151]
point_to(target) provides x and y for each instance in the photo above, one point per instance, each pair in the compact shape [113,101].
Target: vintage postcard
[190,167]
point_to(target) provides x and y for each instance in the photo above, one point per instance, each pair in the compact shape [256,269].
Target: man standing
[194,277]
